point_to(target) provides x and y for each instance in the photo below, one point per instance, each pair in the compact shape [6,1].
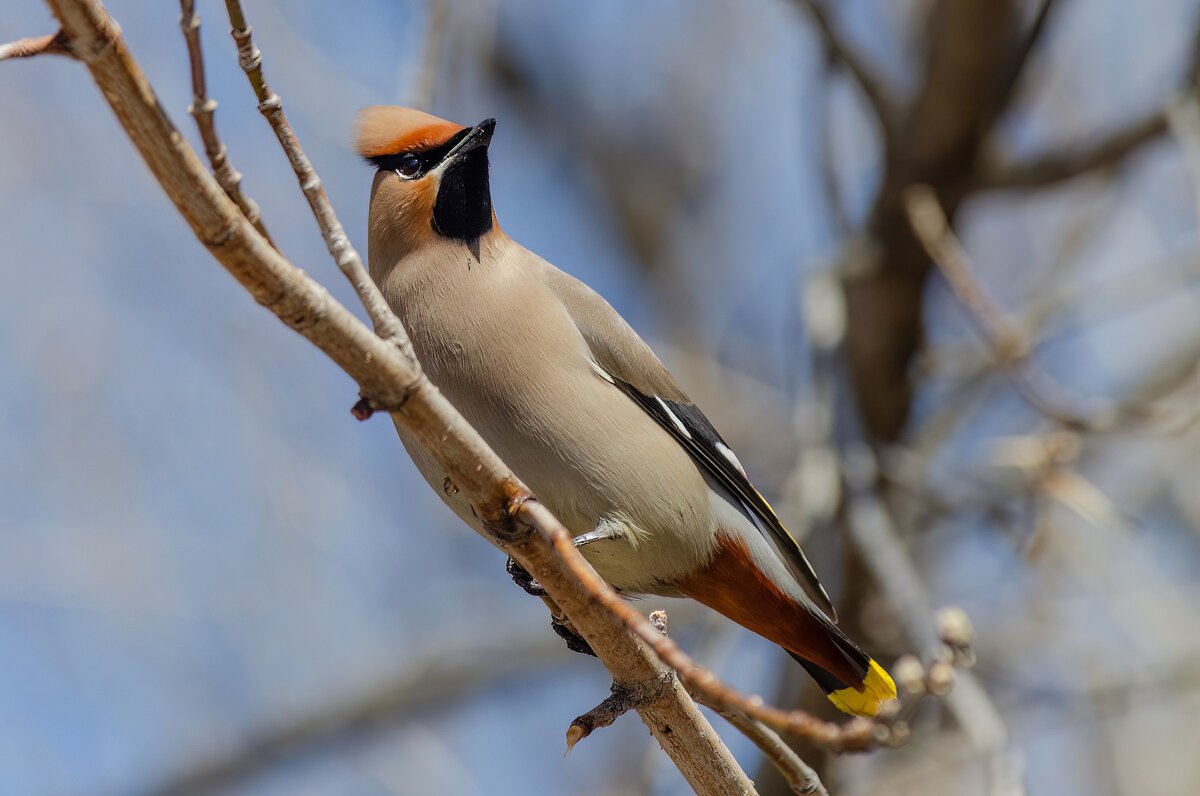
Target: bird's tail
[733,585]
[863,698]
[862,688]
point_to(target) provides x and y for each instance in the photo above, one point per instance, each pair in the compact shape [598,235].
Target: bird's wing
[624,359]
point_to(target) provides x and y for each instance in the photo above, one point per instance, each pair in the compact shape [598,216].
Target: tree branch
[1073,161]
[858,734]
[202,110]
[840,51]
[1007,342]
[50,44]
[801,778]
[270,104]
[892,568]
[1010,78]
[1106,152]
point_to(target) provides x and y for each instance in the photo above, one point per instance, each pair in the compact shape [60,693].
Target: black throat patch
[463,210]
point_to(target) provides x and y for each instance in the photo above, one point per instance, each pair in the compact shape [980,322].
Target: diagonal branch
[1008,343]
[202,110]
[1010,77]
[800,776]
[1108,152]
[858,734]
[840,51]
[270,104]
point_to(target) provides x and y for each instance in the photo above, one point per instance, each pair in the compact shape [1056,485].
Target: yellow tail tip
[867,699]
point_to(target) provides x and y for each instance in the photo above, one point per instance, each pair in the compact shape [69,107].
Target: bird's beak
[480,136]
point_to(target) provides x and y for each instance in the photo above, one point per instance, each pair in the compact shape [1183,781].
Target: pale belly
[585,449]
[597,461]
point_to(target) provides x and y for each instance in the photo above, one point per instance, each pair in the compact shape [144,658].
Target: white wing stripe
[674,420]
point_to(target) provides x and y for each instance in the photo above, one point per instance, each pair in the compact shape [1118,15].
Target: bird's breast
[505,352]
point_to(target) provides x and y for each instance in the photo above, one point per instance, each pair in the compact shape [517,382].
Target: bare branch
[842,52]
[50,44]
[1006,341]
[1108,152]
[623,698]
[1011,78]
[892,568]
[800,776]
[202,110]
[270,104]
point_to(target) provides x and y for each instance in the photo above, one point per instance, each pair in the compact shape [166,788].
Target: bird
[564,390]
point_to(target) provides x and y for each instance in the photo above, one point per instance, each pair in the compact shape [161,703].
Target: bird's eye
[410,166]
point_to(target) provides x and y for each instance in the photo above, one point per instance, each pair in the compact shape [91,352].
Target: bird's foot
[575,642]
[523,579]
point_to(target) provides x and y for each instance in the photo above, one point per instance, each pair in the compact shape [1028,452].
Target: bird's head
[432,179]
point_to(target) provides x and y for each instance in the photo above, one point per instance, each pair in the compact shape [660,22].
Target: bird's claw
[523,579]
[575,642]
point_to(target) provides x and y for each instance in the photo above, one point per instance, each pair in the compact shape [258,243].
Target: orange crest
[390,129]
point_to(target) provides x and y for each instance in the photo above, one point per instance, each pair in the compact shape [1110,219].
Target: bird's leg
[602,533]
[558,622]
[522,578]
[527,582]
[574,641]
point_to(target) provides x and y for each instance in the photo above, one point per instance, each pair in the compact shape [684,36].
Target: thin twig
[871,84]
[1007,342]
[799,775]
[1010,78]
[893,570]
[202,110]
[1107,152]
[50,44]
[623,698]
[270,104]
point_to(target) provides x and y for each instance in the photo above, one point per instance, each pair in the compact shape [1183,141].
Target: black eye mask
[429,158]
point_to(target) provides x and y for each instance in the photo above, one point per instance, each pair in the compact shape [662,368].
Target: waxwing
[580,408]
